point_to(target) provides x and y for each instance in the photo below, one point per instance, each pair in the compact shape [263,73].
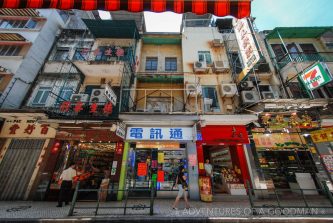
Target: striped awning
[11,37]
[19,12]
[236,8]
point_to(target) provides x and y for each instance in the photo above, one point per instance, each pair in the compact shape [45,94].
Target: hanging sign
[159,133]
[324,135]
[114,168]
[160,157]
[290,140]
[316,76]
[328,161]
[142,169]
[247,43]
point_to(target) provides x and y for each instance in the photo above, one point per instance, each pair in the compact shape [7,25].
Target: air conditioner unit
[228,90]
[217,42]
[208,103]
[268,95]
[246,85]
[200,67]
[97,96]
[220,67]
[193,90]
[80,97]
[110,95]
[249,97]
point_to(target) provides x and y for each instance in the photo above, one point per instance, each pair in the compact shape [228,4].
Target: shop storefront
[154,155]
[97,153]
[24,143]
[222,147]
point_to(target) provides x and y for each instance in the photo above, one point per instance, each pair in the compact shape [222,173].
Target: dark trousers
[65,192]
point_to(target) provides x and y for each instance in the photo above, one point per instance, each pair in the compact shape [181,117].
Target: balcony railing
[159,101]
[304,57]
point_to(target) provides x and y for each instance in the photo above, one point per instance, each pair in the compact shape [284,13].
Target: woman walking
[182,187]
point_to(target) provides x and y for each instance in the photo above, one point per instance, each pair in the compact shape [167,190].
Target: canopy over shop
[236,8]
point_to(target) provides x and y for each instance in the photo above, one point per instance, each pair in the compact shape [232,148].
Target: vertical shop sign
[160,157]
[328,161]
[248,46]
[114,168]
[142,169]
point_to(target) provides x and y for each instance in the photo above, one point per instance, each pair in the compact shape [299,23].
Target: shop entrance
[225,163]
[155,164]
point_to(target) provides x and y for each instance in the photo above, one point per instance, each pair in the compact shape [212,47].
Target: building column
[122,178]
[193,172]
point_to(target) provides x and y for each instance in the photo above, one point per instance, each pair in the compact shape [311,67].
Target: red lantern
[55,147]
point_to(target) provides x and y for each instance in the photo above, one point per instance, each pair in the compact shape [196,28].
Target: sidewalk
[227,211]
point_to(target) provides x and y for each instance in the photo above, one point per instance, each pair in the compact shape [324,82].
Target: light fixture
[306,134]
[267,132]
[285,130]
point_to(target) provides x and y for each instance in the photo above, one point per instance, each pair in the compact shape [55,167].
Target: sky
[269,14]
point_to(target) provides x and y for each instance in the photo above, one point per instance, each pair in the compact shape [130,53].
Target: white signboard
[110,95]
[120,131]
[159,133]
[247,44]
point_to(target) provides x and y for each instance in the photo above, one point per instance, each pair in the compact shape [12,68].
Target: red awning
[236,8]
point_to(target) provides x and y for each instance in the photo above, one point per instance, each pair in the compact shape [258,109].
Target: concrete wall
[33,60]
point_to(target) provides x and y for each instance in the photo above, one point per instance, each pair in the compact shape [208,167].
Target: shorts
[181,191]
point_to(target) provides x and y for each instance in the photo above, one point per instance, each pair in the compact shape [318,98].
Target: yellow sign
[291,157]
[324,135]
[160,157]
[201,166]
[290,140]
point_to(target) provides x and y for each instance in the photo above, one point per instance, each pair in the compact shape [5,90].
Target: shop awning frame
[298,32]
[220,8]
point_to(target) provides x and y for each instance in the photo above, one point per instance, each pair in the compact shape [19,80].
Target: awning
[236,8]
[11,37]
[298,32]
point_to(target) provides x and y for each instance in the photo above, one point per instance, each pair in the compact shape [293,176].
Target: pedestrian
[209,173]
[66,179]
[182,187]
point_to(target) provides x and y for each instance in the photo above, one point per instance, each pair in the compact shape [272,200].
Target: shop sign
[120,131]
[142,169]
[159,133]
[114,168]
[160,157]
[247,44]
[224,134]
[328,161]
[324,135]
[26,128]
[315,77]
[278,140]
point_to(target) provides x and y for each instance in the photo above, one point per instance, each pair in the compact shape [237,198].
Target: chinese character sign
[29,128]
[159,133]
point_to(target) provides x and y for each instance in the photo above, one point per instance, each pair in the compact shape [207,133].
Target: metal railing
[125,207]
[304,57]
[272,201]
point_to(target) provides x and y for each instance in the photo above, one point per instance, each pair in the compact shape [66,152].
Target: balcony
[303,58]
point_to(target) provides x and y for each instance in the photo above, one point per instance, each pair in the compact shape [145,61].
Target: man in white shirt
[66,178]
[209,172]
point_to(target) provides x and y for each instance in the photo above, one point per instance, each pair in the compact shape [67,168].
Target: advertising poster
[160,176]
[142,169]
[205,189]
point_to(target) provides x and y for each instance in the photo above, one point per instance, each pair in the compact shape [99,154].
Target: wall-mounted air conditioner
[249,97]
[220,67]
[217,42]
[193,90]
[200,67]
[97,96]
[228,90]
[246,85]
[268,95]
[80,97]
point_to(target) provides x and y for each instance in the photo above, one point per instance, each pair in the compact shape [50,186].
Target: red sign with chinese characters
[160,176]
[94,108]
[231,134]
[142,169]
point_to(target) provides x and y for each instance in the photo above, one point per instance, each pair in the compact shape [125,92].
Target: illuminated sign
[315,77]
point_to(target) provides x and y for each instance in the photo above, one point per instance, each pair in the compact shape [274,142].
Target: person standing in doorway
[66,179]
[209,172]
[182,187]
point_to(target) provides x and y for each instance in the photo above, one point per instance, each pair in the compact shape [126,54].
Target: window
[66,94]
[10,50]
[236,63]
[293,50]
[211,102]
[170,64]
[81,54]
[308,48]
[41,96]
[279,51]
[297,91]
[204,56]
[151,64]
[18,24]
[329,45]
[61,54]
